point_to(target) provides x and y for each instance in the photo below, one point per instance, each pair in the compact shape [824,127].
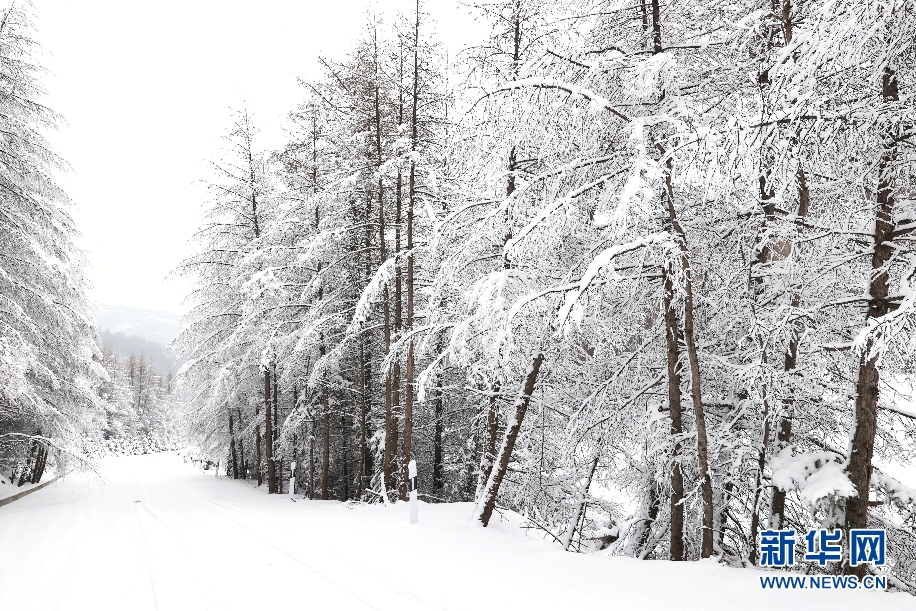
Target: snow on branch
[573,90]
[899,493]
[600,262]
[815,476]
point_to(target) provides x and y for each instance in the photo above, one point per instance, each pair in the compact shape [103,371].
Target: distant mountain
[155,326]
[123,344]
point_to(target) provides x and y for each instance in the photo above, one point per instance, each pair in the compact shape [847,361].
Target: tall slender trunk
[390,436]
[365,370]
[326,451]
[345,459]
[268,436]
[673,340]
[278,458]
[257,439]
[867,383]
[363,411]
[487,503]
[296,449]
[438,475]
[232,451]
[411,203]
[758,274]
[312,461]
[472,463]
[696,395]
[394,467]
[689,337]
[242,463]
[326,431]
[784,431]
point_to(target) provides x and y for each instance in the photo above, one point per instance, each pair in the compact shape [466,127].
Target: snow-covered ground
[159,534]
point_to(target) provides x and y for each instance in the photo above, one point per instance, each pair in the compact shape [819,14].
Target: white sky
[146,89]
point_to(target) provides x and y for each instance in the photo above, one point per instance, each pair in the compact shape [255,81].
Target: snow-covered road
[159,534]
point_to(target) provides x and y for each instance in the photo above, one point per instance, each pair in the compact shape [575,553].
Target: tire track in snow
[382,584]
[225,510]
[149,565]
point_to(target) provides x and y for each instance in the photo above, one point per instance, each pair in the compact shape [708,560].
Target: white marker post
[292,479]
[412,473]
[218,465]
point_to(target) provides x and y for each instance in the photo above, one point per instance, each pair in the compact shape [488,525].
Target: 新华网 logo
[866,546]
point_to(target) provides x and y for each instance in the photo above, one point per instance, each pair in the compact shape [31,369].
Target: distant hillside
[159,327]
[124,345]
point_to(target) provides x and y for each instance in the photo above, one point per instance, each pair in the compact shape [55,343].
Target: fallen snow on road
[159,534]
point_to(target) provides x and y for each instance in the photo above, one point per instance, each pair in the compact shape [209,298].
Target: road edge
[18,496]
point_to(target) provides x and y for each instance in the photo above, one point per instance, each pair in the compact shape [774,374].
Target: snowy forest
[641,273]
[64,397]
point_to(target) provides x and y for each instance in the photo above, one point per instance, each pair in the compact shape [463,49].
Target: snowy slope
[162,535]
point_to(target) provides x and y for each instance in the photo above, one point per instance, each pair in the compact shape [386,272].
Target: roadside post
[292,479]
[412,473]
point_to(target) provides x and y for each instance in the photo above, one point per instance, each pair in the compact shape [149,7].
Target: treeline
[643,273]
[141,411]
[48,368]
[127,344]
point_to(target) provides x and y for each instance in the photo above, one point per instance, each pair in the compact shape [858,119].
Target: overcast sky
[146,88]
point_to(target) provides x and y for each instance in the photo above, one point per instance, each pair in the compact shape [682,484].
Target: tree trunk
[580,504]
[784,432]
[487,503]
[257,438]
[695,389]
[689,339]
[438,475]
[673,337]
[346,456]
[363,412]
[411,203]
[390,436]
[312,462]
[232,450]
[643,547]
[326,452]
[698,410]
[268,436]
[40,463]
[867,384]
[27,472]
[238,411]
[278,459]
[488,456]
[758,275]
[408,419]
[758,478]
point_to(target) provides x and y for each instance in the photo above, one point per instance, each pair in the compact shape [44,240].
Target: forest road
[157,534]
[154,533]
